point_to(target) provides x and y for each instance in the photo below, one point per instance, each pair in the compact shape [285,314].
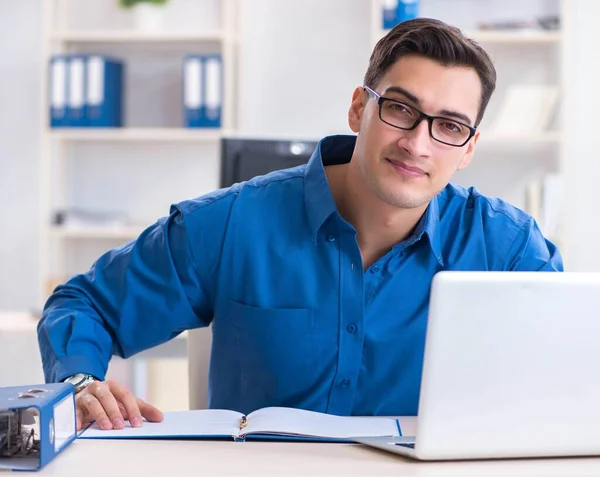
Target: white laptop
[511,368]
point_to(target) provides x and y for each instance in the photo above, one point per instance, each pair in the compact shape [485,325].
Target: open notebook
[266,423]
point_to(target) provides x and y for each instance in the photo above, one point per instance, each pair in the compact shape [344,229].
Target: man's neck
[379,226]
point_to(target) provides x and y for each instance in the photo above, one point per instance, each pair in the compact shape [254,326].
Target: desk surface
[150,458]
[91,458]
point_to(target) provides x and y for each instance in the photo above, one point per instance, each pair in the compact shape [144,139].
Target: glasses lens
[450,132]
[398,114]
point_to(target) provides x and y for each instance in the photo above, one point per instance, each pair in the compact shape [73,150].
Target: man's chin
[406,201]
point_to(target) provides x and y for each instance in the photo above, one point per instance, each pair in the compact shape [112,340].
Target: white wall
[20,92]
[300,62]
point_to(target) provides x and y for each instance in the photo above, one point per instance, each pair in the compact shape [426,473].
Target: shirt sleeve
[134,297]
[531,251]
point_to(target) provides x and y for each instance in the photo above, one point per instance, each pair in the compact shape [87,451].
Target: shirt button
[374,269]
[330,238]
[345,383]
[351,328]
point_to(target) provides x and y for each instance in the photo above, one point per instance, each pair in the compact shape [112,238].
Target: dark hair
[438,41]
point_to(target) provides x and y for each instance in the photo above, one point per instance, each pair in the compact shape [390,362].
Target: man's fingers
[109,404]
[128,401]
[123,411]
[102,392]
[93,411]
[79,418]
[150,412]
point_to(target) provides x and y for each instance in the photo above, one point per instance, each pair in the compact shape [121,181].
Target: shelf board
[100,232]
[515,36]
[551,137]
[137,134]
[127,36]
[506,36]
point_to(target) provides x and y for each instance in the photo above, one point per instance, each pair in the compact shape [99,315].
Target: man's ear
[357,108]
[468,157]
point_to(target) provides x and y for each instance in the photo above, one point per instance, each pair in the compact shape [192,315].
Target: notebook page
[197,423]
[298,422]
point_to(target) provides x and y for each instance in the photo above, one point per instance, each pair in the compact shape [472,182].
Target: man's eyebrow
[413,99]
[461,116]
[398,90]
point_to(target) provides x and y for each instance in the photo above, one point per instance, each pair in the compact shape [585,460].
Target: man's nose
[417,141]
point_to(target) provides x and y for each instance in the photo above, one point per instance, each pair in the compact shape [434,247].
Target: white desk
[152,458]
[223,458]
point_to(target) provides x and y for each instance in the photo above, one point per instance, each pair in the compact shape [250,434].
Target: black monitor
[245,158]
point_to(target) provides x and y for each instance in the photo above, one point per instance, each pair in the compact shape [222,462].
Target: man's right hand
[110,404]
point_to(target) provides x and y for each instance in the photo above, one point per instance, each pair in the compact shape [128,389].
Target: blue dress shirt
[277,271]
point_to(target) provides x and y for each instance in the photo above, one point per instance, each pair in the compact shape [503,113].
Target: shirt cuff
[70,365]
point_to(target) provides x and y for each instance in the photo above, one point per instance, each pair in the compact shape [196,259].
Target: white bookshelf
[511,140]
[125,36]
[486,37]
[138,135]
[63,34]
[517,37]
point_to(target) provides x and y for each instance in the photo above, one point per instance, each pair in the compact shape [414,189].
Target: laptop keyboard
[410,445]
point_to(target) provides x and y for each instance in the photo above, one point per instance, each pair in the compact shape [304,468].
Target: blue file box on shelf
[76,89]
[58,90]
[192,91]
[389,13]
[202,91]
[104,92]
[398,11]
[407,10]
[213,87]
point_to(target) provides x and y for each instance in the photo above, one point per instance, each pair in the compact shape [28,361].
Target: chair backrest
[199,346]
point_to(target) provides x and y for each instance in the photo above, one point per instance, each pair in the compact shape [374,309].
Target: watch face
[76,378]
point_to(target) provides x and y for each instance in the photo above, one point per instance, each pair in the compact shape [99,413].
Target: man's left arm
[531,251]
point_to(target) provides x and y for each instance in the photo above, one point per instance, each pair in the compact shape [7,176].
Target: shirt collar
[430,226]
[319,202]
[318,198]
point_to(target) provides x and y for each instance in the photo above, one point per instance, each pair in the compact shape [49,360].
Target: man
[315,279]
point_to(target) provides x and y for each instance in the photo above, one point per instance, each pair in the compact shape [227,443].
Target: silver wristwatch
[80,381]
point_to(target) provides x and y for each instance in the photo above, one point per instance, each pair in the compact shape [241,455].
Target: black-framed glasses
[403,116]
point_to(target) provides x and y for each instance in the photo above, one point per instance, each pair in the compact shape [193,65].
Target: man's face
[407,169]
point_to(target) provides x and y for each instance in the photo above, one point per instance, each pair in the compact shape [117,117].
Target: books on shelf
[267,423]
[543,201]
[526,110]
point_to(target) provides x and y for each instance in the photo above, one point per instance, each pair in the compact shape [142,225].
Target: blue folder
[104,92]
[36,424]
[58,90]
[76,91]
[203,90]
[213,90]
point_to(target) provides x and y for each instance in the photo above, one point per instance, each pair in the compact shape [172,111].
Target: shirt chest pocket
[276,351]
